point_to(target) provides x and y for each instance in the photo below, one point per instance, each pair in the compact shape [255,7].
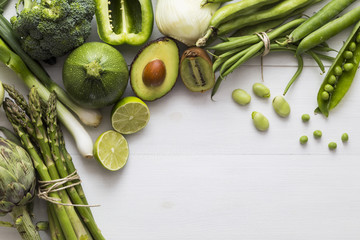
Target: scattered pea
[329,88]
[348,55]
[332,145]
[344,137]
[303,139]
[325,96]
[332,80]
[261,90]
[260,121]
[338,71]
[348,66]
[305,117]
[241,97]
[281,106]
[317,134]
[352,46]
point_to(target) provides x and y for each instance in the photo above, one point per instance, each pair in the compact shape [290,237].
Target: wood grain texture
[200,170]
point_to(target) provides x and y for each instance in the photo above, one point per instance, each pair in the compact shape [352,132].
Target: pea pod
[324,15]
[341,81]
[124,22]
[329,30]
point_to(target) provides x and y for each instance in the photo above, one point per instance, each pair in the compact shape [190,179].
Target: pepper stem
[23,223]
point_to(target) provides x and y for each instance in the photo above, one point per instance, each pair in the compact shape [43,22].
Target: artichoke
[17,187]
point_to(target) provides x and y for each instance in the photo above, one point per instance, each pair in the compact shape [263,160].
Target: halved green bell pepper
[124,21]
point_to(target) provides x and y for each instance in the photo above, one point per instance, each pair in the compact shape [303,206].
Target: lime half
[111,150]
[130,115]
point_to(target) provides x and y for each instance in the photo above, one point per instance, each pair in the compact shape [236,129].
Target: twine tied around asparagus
[265,38]
[47,187]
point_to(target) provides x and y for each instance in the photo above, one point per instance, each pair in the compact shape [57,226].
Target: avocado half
[155,69]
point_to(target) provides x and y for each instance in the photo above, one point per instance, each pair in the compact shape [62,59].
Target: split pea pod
[323,16]
[280,10]
[329,30]
[229,12]
[341,73]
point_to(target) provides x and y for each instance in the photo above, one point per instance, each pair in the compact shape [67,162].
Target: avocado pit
[154,73]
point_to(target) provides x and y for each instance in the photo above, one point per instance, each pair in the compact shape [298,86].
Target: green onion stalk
[14,62]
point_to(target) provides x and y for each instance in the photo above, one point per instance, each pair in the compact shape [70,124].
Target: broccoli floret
[52,28]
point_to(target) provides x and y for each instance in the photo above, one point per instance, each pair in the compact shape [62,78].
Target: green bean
[203,3]
[225,56]
[297,73]
[324,15]
[230,12]
[280,10]
[329,30]
[252,39]
[340,80]
[317,60]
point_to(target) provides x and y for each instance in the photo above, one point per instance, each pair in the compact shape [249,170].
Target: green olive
[348,55]
[332,145]
[352,46]
[329,88]
[305,117]
[303,139]
[317,134]
[344,137]
[241,97]
[332,80]
[260,121]
[338,71]
[348,66]
[325,95]
[281,106]
[261,90]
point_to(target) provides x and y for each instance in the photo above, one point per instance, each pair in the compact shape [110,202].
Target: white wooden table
[200,170]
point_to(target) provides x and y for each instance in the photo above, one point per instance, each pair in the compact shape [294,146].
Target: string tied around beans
[265,38]
[46,187]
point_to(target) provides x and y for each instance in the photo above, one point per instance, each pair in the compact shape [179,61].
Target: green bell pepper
[124,21]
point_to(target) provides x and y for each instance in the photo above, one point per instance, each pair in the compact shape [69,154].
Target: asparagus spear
[41,169]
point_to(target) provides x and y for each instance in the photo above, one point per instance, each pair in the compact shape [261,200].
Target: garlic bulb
[184,20]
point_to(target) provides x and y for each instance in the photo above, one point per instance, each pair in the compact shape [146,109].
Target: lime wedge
[130,115]
[111,150]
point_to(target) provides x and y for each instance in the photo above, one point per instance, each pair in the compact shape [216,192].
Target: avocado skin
[172,72]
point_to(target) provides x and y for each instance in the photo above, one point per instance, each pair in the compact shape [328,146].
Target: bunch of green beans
[341,74]
[237,50]
[235,16]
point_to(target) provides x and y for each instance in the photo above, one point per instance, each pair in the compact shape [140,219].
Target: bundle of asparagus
[35,122]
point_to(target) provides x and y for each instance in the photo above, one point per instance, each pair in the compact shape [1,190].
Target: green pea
[281,106]
[241,97]
[325,96]
[348,55]
[352,46]
[303,139]
[332,80]
[344,137]
[358,38]
[260,121]
[348,66]
[305,117]
[317,134]
[338,71]
[261,90]
[329,88]
[332,145]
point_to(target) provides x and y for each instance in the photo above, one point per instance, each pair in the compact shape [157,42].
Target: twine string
[265,38]
[56,185]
